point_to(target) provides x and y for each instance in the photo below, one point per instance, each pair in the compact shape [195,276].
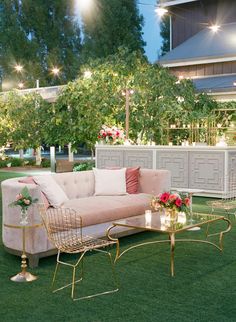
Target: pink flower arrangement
[180,202]
[23,199]
[111,135]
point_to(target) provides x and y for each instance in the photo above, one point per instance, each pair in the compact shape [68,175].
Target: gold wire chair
[228,200]
[64,229]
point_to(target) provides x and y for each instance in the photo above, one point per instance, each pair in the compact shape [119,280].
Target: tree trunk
[38,156]
[21,154]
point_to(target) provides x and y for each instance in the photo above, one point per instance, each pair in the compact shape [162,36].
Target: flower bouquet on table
[172,203]
[24,201]
[111,135]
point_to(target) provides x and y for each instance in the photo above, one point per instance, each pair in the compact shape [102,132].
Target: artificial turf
[203,289]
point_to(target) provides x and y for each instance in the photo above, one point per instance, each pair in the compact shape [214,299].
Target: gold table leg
[23,276]
[172,250]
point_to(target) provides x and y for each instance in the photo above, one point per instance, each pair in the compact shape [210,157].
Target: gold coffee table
[157,222]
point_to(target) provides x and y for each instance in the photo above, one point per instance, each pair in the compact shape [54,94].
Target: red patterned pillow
[132,180]
[30,180]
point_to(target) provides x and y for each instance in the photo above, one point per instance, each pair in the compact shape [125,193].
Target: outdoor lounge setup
[76,190]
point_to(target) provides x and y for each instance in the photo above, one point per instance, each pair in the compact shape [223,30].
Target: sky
[151,29]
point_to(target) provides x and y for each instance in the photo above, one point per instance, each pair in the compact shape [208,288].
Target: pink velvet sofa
[97,212]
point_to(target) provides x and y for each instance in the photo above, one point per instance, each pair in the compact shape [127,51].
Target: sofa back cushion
[110,182]
[76,184]
[154,181]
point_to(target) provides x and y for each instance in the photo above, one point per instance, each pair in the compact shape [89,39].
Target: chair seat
[75,245]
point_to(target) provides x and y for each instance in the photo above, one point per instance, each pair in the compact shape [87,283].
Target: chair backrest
[63,225]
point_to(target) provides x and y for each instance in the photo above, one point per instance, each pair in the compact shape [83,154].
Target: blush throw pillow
[132,180]
[30,180]
[109,182]
[54,193]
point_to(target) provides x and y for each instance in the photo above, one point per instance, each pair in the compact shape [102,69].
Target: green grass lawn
[203,289]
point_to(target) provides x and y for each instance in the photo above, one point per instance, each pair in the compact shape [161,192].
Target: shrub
[83,166]
[15,162]
[29,161]
[3,163]
[45,163]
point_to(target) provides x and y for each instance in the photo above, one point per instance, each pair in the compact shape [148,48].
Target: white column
[71,154]
[53,158]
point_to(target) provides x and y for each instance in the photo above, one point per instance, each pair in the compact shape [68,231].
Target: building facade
[200,52]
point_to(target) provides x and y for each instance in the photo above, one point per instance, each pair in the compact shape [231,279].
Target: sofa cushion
[54,193]
[100,209]
[109,182]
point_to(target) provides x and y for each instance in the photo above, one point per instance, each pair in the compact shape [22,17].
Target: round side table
[23,276]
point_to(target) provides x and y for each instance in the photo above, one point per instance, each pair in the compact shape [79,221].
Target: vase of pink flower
[171,203]
[111,135]
[24,201]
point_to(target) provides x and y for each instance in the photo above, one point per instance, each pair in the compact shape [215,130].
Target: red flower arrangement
[179,202]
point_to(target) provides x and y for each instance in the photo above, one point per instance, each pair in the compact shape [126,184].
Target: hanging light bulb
[214,28]
[160,11]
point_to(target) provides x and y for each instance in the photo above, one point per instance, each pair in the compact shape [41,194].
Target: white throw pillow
[109,182]
[54,193]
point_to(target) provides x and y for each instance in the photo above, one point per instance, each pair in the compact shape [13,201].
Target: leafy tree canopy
[38,35]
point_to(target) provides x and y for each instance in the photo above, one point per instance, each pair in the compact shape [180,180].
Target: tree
[21,121]
[39,35]
[109,25]
[165,34]
[159,99]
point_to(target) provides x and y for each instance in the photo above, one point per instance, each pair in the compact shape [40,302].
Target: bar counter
[208,168]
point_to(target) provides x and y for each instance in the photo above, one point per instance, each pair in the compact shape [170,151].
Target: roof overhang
[49,94]
[201,61]
[174,2]
[223,97]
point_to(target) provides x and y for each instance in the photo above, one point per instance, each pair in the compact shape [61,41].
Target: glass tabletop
[157,221]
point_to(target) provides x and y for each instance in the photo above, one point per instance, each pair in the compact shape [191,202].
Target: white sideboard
[207,168]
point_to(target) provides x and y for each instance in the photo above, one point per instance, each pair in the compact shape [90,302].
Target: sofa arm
[154,181]
[36,238]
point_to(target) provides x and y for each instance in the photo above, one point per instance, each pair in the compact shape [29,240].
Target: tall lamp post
[127,92]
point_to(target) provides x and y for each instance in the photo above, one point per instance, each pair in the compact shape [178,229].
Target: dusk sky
[151,29]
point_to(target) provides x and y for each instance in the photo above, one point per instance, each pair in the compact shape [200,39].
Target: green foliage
[159,99]
[165,34]
[16,162]
[39,35]
[109,25]
[83,166]
[20,120]
[45,163]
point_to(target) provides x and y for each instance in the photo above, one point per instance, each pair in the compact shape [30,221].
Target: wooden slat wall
[205,70]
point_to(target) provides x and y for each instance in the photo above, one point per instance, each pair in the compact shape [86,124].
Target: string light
[55,71]
[21,85]
[18,68]
[87,74]
[214,28]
